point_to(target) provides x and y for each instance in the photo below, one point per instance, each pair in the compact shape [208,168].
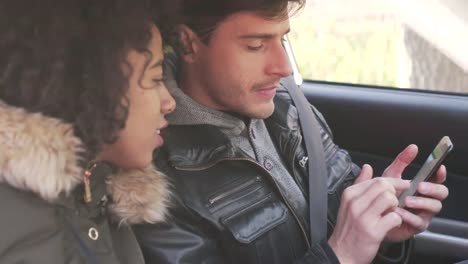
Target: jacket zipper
[347,171]
[306,239]
[223,195]
[292,154]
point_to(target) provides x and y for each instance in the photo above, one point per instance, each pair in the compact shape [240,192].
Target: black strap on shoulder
[317,167]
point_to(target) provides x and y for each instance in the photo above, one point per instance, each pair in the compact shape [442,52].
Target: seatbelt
[317,167]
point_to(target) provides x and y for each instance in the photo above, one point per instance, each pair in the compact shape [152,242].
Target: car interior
[375,121]
[374,125]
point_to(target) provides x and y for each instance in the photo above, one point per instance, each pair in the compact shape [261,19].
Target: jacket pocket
[249,223]
[233,192]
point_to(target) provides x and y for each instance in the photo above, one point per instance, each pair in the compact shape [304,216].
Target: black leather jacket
[227,207]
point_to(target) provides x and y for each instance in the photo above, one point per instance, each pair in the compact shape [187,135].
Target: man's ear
[189,43]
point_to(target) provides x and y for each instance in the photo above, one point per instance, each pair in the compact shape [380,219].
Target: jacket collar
[190,112]
[195,147]
[41,154]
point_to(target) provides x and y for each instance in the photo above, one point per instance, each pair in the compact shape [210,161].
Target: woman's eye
[158,81]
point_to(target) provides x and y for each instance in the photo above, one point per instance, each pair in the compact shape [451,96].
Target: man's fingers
[366,174]
[401,162]
[360,185]
[440,175]
[384,202]
[388,222]
[433,190]
[375,196]
[419,222]
[427,205]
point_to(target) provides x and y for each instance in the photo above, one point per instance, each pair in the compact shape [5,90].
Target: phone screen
[430,166]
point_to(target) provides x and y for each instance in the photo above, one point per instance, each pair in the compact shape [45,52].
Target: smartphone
[430,166]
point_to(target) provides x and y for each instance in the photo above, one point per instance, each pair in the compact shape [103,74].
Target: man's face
[240,68]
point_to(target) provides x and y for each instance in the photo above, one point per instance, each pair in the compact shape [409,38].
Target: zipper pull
[303,161]
[88,196]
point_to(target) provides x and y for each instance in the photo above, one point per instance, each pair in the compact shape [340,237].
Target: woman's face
[149,101]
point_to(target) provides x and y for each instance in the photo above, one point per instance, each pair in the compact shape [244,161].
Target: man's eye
[255,48]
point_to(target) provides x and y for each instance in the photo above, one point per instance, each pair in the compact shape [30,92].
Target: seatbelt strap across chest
[316,163]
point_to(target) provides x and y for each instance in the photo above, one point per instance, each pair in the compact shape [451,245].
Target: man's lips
[267,92]
[267,88]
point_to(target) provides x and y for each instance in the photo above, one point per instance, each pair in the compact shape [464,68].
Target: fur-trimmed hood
[41,154]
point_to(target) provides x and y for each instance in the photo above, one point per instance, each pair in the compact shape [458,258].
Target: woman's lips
[159,141]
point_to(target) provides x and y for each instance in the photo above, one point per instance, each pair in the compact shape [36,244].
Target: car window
[418,44]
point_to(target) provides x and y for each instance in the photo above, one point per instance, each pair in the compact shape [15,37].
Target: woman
[82,103]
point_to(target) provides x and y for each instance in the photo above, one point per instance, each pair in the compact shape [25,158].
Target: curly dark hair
[64,58]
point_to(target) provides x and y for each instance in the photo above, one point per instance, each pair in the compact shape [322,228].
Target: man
[235,154]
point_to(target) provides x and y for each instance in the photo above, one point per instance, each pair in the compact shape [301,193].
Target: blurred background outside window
[418,44]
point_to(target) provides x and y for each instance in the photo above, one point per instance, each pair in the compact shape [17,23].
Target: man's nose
[279,62]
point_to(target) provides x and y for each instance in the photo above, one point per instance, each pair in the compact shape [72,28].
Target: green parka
[44,218]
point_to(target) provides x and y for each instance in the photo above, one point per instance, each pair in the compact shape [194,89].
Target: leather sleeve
[319,254]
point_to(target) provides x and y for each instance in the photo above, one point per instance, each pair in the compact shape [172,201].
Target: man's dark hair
[202,16]
[64,59]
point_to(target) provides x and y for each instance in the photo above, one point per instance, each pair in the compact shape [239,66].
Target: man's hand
[366,216]
[369,214]
[424,206]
